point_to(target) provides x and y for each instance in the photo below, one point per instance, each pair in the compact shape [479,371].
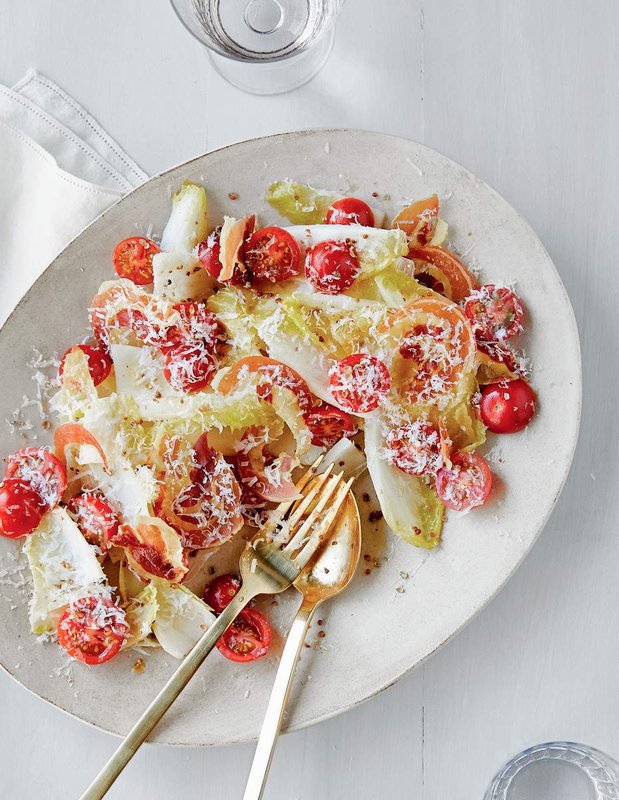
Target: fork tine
[282,509]
[328,492]
[310,548]
[283,536]
[309,498]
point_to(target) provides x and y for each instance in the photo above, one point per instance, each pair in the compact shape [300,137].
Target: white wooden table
[524,94]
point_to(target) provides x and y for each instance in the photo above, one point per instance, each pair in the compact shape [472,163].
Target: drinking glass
[263,46]
[557,771]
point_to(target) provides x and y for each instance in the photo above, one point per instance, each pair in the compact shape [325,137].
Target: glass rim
[605,770]
[257,56]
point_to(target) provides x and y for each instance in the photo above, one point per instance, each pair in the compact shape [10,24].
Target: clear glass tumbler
[263,46]
[557,771]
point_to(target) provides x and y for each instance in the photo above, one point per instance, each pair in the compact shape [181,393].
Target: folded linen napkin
[58,171]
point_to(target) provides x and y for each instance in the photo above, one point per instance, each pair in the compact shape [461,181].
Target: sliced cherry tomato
[329,424]
[194,348]
[99,363]
[415,448]
[442,271]
[220,591]
[208,253]
[331,267]
[247,639]
[466,484]
[508,406]
[350,211]
[196,324]
[41,469]
[92,630]
[359,383]
[272,254]
[145,325]
[495,313]
[419,219]
[133,259]
[188,369]
[21,508]
[95,517]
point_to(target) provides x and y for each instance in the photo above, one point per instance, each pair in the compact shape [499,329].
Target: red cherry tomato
[495,313]
[350,211]
[42,470]
[415,448]
[499,353]
[359,382]
[95,518]
[147,328]
[466,484]
[247,639]
[208,253]
[99,363]
[329,424]
[508,406]
[220,591]
[331,267]
[272,254]
[193,349]
[188,368]
[21,508]
[196,324]
[92,630]
[133,259]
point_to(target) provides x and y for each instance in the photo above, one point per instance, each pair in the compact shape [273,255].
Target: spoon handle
[277,703]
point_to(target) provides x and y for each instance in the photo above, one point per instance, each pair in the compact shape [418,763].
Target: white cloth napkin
[58,171]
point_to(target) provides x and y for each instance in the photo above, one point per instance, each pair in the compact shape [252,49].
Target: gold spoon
[328,575]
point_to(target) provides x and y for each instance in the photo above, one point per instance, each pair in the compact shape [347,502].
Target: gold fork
[269,564]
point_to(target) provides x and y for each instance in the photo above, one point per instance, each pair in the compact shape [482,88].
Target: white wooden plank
[520,93]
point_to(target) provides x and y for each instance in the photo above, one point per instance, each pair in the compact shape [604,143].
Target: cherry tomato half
[508,406]
[188,368]
[350,211]
[272,254]
[466,484]
[133,259]
[247,639]
[208,253]
[21,508]
[220,591]
[331,267]
[42,470]
[329,424]
[359,382]
[194,348]
[92,630]
[495,313]
[99,363]
[95,518]
[415,448]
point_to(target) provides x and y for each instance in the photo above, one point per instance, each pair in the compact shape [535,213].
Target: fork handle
[174,686]
[277,703]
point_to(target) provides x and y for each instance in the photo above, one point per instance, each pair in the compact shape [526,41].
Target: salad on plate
[219,361]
